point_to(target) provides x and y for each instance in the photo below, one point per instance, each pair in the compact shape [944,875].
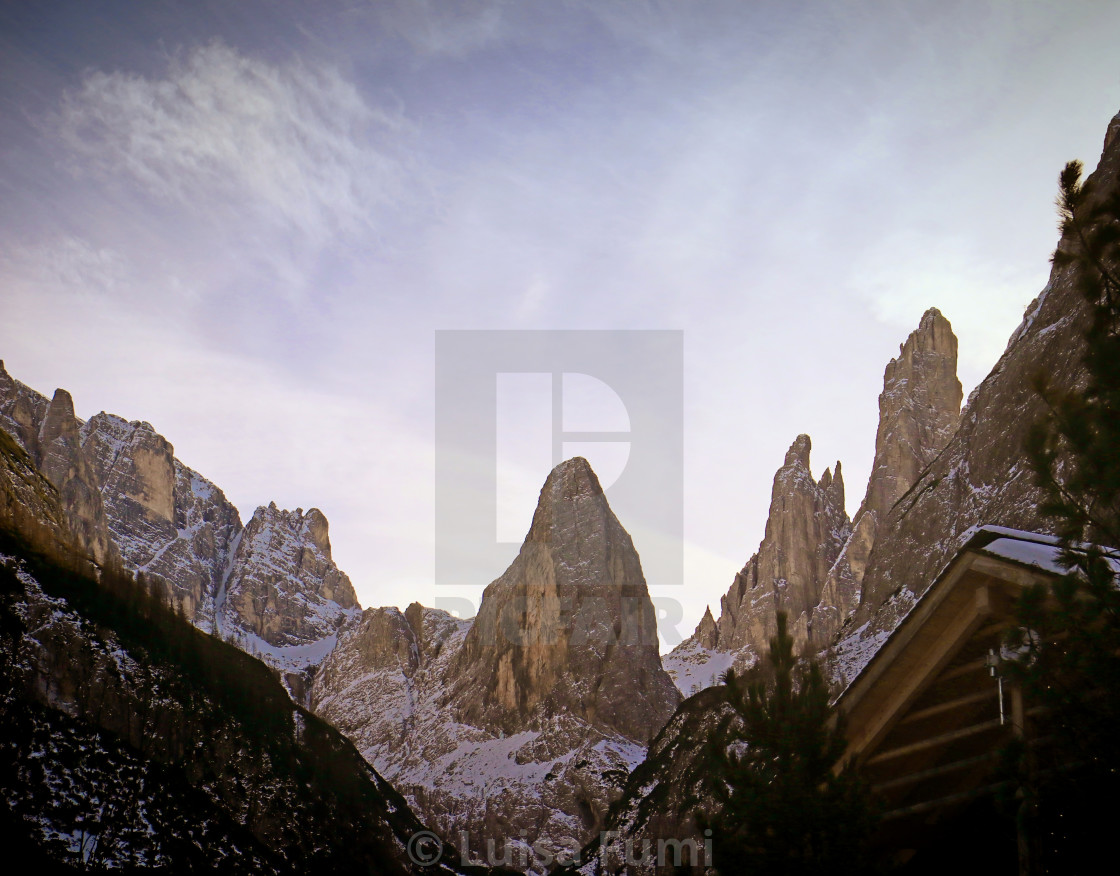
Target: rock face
[169,522]
[569,628]
[523,723]
[982,476]
[707,633]
[283,597]
[272,587]
[49,433]
[805,532]
[29,503]
[919,409]
[812,559]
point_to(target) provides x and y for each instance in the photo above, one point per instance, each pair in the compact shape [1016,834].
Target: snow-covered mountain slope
[270,587]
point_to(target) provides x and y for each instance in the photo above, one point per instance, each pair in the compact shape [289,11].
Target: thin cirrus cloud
[437,28]
[297,142]
[72,264]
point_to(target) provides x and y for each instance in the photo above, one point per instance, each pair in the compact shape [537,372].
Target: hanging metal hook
[993,662]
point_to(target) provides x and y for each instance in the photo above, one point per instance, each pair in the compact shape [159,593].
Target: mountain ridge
[131,501]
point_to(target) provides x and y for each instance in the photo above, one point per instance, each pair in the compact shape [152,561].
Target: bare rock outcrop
[272,588]
[707,632]
[569,627]
[284,589]
[62,462]
[22,411]
[29,503]
[983,476]
[805,532]
[812,559]
[49,433]
[919,409]
[169,522]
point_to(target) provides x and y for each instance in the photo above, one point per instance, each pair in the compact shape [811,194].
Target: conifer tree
[782,805]
[1071,629]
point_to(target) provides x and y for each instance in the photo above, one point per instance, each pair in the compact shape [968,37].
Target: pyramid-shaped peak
[573,474]
[707,631]
[571,485]
[569,626]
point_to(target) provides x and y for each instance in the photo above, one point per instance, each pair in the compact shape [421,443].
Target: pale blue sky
[244,221]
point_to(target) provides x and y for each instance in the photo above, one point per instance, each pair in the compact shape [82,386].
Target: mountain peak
[707,633]
[798,452]
[931,315]
[569,625]
[575,470]
[571,478]
[572,483]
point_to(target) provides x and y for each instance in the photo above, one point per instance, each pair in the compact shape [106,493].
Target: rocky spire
[833,485]
[918,411]
[805,531]
[919,408]
[983,476]
[707,633]
[569,627]
[59,457]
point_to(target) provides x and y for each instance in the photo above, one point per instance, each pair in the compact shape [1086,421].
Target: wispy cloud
[69,265]
[298,143]
[435,27]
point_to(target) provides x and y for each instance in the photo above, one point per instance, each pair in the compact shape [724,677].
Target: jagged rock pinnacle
[798,452]
[919,409]
[707,633]
[805,531]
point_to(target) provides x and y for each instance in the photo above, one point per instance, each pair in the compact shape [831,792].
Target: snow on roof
[1030,548]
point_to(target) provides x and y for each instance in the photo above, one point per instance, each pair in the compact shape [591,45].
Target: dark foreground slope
[130,739]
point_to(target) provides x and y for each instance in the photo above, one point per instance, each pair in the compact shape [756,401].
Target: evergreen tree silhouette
[782,804]
[1069,631]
